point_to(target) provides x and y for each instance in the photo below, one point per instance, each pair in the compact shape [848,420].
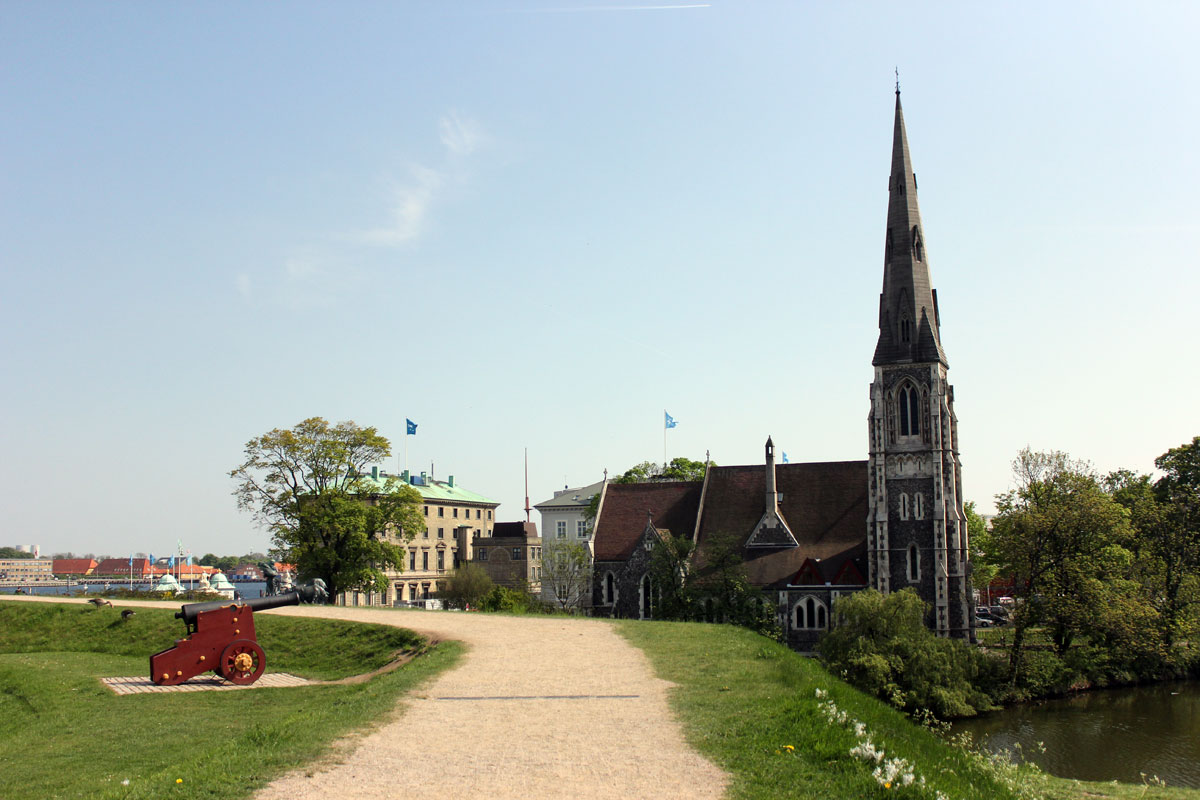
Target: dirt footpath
[540,707]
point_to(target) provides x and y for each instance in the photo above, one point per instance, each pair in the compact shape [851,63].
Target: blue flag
[171,561]
[412,427]
[151,559]
[131,560]
[785,457]
[670,421]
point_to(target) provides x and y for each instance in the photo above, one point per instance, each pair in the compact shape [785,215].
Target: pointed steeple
[908,315]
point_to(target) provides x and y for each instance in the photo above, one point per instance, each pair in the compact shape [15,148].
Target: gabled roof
[120,566]
[824,503]
[75,566]
[671,504]
[571,498]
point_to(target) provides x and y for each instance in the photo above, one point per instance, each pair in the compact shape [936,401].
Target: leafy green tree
[720,587]
[679,469]
[566,572]
[308,486]
[1055,533]
[983,565]
[467,586]
[882,646]
[669,565]
[12,552]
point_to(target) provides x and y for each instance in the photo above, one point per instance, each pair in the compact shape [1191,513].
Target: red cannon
[221,639]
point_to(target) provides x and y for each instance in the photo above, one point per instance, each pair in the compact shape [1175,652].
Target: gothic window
[909,403]
[609,589]
[647,608]
[905,329]
[919,505]
[903,505]
[810,614]
[917,247]
[914,563]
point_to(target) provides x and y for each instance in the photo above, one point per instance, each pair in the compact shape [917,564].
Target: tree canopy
[679,469]
[566,571]
[309,487]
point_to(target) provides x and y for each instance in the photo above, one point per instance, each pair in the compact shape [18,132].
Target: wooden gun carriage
[220,638]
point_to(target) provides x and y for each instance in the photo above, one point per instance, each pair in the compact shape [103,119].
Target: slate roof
[824,504]
[571,498]
[622,520]
[523,531]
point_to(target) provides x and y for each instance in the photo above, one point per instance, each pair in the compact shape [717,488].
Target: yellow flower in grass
[179,780]
[789,748]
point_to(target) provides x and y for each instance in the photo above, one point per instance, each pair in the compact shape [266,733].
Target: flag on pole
[151,559]
[785,457]
[171,561]
[131,560]
[670,421]
[412,427]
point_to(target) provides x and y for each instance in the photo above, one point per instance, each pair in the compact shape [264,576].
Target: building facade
[512,555]
[564,519]
[454,517]
[26,570]
[810,533]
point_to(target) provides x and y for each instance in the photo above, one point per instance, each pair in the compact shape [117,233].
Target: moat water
[1113,734]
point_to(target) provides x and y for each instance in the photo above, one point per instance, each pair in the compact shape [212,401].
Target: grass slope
[63,735]
[751,706]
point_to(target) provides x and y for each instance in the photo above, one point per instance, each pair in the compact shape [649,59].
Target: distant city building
[74,567]
[512,555]
[26,570]
[119,568]
[454,516]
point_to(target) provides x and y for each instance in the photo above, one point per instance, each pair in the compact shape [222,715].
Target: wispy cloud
[409,210]
[413,199]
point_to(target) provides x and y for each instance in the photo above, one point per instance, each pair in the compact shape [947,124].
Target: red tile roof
[120,566]
[671,504]
[76,566]
[824,504]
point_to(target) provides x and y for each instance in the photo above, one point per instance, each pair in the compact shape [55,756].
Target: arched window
[610,589]
[647,604]
[914,563]
[903,505]
[905,329]
[909,409]
[810,614]
[919,505]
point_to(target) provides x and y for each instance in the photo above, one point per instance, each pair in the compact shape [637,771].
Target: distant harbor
[248,589]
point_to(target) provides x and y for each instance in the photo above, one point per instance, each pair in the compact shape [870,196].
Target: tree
[1056,534]
[670,578]
[12,552]
[983,566]
[467,586]
[566,571]
[679,469]
[308,486]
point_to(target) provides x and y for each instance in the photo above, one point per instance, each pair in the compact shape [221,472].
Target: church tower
[917,531]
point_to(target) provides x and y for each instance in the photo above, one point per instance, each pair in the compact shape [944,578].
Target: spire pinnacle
[897,81]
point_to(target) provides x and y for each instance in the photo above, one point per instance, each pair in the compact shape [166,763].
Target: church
[810,533]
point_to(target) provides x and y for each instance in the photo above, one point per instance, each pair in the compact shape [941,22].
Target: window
[441,559]
[516,554]
[910,411]
[919,505]
[481,553]
[427,511]
[412,563]
[456,513]
[905,329]
[561,528]
[412,591]
[441,533]
[609,590]
[425,560]
[903,506]
[441,511]
[810,614]
[489,513]
[477,513]
[914,563]
[425,534]
[581,530]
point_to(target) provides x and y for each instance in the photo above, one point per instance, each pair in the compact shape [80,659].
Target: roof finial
[897,80]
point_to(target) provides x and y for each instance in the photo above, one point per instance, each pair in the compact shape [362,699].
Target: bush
[504,598]
[881,645]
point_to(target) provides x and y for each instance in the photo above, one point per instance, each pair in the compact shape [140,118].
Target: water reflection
[1105,735]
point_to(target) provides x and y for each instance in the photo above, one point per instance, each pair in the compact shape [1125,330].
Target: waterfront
[1115,734]
[248,589]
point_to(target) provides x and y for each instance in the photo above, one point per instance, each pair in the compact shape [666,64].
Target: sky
[539,225]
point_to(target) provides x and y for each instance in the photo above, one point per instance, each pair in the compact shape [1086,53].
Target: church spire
[908,315]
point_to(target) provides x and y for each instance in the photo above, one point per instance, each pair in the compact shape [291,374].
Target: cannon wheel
[242,662]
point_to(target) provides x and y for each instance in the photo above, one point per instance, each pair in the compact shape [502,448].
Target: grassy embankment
[751,705]
[64,735]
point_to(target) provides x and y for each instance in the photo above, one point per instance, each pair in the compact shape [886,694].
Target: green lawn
[63,735]
[744,700]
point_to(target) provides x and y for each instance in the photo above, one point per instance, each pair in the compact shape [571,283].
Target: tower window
[903,505]
[810,614]
[905,329]
[917,247]
[910,411]
[914,563]
[919,505]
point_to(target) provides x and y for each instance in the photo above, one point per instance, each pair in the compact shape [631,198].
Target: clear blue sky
[539,225]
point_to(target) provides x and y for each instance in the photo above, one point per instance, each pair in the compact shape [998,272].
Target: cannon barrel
[189,612]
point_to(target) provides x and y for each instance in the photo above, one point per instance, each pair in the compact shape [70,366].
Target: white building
[563,519]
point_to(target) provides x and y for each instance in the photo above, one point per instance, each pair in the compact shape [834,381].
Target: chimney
[404,476]
[374,473]
[772,497]
[451,481]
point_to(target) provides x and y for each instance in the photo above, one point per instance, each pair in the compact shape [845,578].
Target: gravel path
[539,707]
